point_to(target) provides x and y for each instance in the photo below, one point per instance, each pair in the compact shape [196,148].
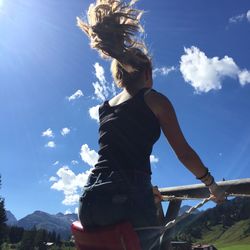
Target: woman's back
[127,133]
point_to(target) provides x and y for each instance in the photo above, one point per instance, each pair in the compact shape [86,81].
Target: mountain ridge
[222,220]
[60,223]
[11,219]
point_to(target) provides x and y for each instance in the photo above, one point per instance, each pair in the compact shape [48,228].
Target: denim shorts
[109,199]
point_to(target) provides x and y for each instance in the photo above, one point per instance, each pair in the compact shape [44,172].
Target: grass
[236,247]
[232,238]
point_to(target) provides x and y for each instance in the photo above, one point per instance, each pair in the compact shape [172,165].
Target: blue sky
[51,83]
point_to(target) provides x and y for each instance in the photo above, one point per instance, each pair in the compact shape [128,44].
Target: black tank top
[127,133]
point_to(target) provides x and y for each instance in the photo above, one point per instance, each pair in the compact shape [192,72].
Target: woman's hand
[217,193]
[157,195]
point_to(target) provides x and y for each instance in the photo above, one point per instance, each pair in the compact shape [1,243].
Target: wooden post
[172,213]
[173,210]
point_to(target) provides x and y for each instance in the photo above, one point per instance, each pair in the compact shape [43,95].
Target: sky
[51,84]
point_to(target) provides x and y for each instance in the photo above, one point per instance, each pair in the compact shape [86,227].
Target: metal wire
[172,223]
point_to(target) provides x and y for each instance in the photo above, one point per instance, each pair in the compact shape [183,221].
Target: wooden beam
[200,191]
[172,213]
[173,210]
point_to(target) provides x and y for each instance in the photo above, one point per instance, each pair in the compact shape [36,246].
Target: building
[181,245]
[204,247]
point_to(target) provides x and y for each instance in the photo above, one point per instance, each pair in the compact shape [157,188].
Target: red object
[117,237]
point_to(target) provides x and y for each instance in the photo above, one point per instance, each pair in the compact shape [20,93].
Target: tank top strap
[145,91]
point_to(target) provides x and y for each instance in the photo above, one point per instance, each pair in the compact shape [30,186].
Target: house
[204,247]
[49,245]
[181,245]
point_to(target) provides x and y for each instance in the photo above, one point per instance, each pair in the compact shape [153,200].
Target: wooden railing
[200,191]
[175,195]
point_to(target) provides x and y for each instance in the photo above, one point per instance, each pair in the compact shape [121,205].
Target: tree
[58,240]
[15,234]
[27,242]
[53,236]
[40,239]
[3,218]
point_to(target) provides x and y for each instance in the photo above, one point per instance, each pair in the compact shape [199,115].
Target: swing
[116,237]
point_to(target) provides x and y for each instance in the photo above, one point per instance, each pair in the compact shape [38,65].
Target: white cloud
[76,95]
[88,156]
[55,163]
[65,131]
[244,77]
[163,71]
[74,162]
[71,199]
[94,113]
[52,178]
[68,211]
[76,210]
[154,159]
[248,16]
[206,74]
[236,19]
[99,72]
[48,133]
[50,144]
[70,184]
[102,88]
[99,91]
[240,17]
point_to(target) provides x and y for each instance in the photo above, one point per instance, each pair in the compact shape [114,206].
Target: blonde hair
[113,27]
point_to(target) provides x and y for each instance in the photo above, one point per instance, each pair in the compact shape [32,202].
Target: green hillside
[236,247]
[235,235]
[227,226]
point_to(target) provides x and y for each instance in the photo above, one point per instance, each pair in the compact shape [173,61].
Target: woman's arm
[164,111]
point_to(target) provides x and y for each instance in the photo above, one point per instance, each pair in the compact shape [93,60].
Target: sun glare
[1,4]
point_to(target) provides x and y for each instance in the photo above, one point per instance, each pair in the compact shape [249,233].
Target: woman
[119,188]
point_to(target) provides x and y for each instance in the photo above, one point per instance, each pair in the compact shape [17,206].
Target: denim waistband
[128,180]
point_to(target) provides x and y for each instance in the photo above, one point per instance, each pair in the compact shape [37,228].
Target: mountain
[60,223]
[225,223]
[11,219]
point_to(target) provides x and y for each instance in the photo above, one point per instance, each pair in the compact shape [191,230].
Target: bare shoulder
[117,99]
[157,102]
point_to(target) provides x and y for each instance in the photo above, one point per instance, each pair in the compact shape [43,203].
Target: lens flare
[1,4]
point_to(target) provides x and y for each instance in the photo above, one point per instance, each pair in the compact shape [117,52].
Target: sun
[1,4]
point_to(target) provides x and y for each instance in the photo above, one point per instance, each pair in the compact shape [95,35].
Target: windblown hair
[113,27]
